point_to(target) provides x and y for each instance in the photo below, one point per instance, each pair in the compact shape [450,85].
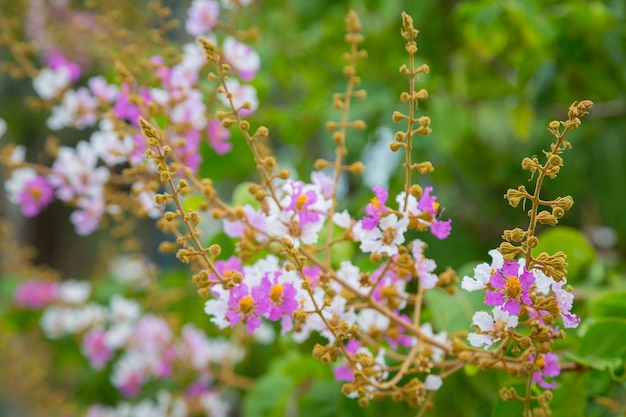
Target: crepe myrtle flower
[424,267]
[483,272]
[281,299]
[375,208]
[247,305]
[202,17]
[385,237]
[510,286]
[565,299]
[424,213]
[548,364]
[492,328]
[31,191]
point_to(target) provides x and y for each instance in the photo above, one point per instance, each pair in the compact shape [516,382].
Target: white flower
[385,237]
[483,272]
[214,405]
[436,353]
[74,292]
[433,382]
[48,83]
[492,328]
[107,144]
[370,320]
[242,57]
[17,183]
[241,94]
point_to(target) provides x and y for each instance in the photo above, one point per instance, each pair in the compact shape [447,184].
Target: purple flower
[246,306]
[94,347]
[566,301]
[202,17]
[302,202]
[427,202]
[549,367]
[34,294]
[57,61]
[375,208]
[510,287]
[441,229]
[219,137]
[35,196]
[281,296]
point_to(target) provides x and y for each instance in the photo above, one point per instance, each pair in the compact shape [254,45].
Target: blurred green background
[499,72]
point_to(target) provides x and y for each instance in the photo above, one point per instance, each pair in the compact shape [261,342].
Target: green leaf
[454,312]
[570,396]
[603,347]
[322,399]
[269,397]
[573,243]
[609,305]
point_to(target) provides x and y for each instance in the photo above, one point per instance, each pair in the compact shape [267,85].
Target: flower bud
[515,196]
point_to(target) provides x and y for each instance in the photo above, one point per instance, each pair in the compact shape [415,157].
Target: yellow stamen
[376,203]
[301,201]
[540,362]
[513,286]
[276,293]
[246,304]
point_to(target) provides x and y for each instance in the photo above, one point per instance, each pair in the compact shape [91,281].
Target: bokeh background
[500,71]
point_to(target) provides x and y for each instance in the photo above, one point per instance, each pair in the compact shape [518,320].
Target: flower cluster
[82,176]
[139,346]
[293,265]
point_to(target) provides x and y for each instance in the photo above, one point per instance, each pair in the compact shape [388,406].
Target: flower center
[36,193]
[301,201]
[540,362]
[276,293]
[246,304]
[389,235]
[294,228]
[513,286]
[376,203]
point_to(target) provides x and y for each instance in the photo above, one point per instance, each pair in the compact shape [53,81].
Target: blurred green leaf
[603,347]
[609,305]
[573,243]
[453,312]
[570,396]
[269,397]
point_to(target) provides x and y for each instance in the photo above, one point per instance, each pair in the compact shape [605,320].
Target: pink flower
[303,203]
[219,137]
[441,229]
[510,287]
[565,300]
[101,89]
[36,196]
[95,348]
[124,109]
[57,61]
[242,57]
[202,17]
[424,267]
[375,208]
[34,294]
[241,95]
[87,218]
[281,299]
[549,367]
[246,306]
